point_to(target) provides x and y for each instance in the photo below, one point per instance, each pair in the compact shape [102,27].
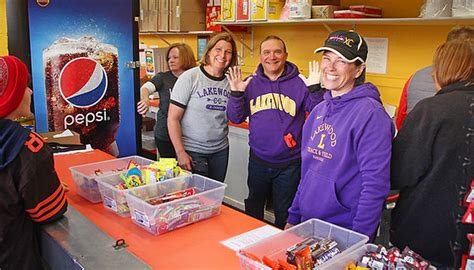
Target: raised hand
[234,76]
[314,76]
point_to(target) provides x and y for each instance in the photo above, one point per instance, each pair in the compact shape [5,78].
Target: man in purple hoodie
[347,142]
[276,100]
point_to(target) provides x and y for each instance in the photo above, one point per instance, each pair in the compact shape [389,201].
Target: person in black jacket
[428,156]
[30,191]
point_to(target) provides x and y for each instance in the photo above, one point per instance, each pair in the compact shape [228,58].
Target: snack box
[351,14]
[274,247]
[325,11]
[161,218]
[228,10]
[367,10]
[85,176]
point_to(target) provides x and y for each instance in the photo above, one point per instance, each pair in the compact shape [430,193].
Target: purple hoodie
[275,108]
[347,143]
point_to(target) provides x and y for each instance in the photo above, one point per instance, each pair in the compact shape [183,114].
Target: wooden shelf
[178,33]
[377,21]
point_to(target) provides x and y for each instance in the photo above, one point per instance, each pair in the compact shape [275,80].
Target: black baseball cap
[347,44]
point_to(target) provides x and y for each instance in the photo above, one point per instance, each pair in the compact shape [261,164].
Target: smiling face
[273,57]
[339,75]
[174,61]
[220,55]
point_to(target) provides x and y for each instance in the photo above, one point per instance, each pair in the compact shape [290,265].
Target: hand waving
[314,76]
[234,76]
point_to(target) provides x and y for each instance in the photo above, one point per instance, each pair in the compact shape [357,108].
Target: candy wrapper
[383,259]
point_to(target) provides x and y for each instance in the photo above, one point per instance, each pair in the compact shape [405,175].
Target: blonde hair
[210,45]
[453,62]
[186,55]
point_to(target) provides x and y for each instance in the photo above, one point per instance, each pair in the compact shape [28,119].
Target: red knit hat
[13,82]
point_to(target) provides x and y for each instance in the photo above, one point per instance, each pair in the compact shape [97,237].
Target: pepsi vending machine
[83,61]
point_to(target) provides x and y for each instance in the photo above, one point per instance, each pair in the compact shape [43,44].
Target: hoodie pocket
[319,198]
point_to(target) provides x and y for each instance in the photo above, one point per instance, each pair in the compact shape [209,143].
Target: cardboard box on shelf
[369,10]
[188,15]
[143,22]
[274,9]
[352,14]
[163,15]
[228,10]
[258,10]
[261,10]
[213,15]
[243,10]
[323,11]
[153,15]
[327,2]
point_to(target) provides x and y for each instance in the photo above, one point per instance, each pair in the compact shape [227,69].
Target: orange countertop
[192,247]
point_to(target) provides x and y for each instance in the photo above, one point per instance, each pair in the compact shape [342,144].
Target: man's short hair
[274,38]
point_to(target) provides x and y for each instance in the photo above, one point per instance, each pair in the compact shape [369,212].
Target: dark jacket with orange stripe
[30,194]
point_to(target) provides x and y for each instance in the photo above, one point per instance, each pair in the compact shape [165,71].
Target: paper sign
[242,240]
[377,57]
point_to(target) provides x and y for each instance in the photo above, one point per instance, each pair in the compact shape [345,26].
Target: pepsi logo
[83,82]
[42,3]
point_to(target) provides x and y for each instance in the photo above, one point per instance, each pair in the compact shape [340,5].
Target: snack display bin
[114,198]
[168,216]
[274,247]
[85,176]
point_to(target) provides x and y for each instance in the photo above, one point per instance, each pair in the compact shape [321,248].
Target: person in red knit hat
[30,191]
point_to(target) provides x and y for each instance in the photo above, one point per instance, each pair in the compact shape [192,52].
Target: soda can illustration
[82,90]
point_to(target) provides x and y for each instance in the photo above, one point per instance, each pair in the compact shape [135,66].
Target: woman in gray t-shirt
[197,120]
[180,58]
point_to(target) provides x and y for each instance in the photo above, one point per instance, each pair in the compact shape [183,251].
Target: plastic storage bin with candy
[112,188]
[311,244]
[175,203]
[85,176]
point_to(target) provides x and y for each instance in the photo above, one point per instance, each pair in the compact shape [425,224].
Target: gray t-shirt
[204,98]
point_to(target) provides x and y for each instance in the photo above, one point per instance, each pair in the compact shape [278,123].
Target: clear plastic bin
[161,218]
[114,198]
[274,247]
[85,176]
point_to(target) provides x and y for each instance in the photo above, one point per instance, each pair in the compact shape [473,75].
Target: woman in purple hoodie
[346,146]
